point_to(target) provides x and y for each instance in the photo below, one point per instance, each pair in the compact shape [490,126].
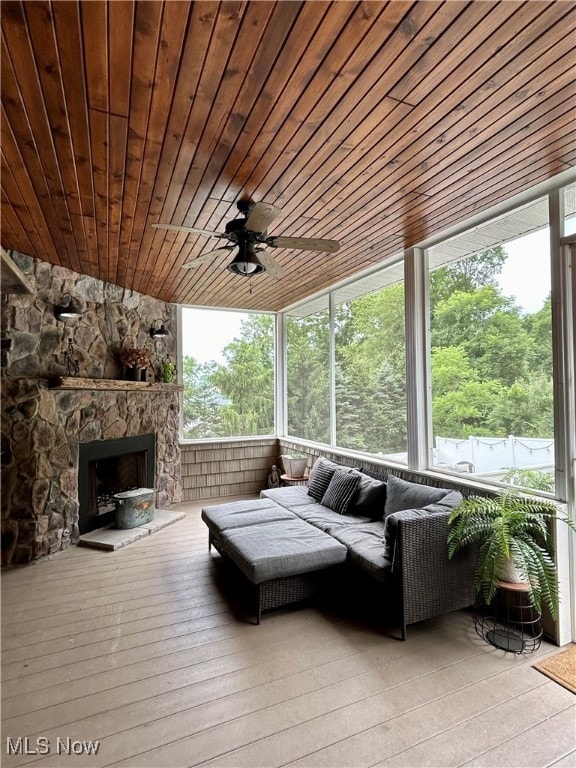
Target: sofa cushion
[326,519]
[320,476]
[352,534]
[341,491]
[239,514]
[290,496]
[283,548]
[366,547]
[370,498]
[443,506]
[400,494]
[368,555]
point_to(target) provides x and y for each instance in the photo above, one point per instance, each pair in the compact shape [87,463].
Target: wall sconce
[68,308]
[159,333]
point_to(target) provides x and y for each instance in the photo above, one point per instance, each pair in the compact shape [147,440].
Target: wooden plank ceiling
[372,123]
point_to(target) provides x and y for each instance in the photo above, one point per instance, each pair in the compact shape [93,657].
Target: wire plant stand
[510,622]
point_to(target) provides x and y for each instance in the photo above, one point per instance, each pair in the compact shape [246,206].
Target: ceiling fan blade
[304,243]
[207,257]
[192,230]
[269,263]
[261,216]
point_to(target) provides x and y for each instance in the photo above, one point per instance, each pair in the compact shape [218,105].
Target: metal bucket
[135,507]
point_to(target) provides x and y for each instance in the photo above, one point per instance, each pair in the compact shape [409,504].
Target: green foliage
[308,375]
[488,328]
[530,478]
[201,406]
[371,372]
[491,368]
[235,398]
[509,526]
[467,275]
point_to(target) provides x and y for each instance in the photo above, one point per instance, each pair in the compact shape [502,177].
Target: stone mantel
[77,382]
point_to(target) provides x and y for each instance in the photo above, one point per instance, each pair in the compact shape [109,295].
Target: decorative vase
[294,467]
[136,374]
[506,570]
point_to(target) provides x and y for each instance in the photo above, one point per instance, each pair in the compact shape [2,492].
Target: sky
[526,274]
[206,332]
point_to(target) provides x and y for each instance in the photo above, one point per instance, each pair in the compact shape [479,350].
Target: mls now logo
[23,745]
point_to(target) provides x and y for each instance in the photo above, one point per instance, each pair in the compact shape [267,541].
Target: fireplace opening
[107,467]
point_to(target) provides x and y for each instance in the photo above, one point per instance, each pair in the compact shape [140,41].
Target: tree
[201,401]
[527,407]
[308,377]
[467,410]
[450,370]
[468,275]
[538,325]
[371,372]
[246,381]
[488,327]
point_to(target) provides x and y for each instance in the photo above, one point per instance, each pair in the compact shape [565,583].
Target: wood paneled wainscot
[213,469]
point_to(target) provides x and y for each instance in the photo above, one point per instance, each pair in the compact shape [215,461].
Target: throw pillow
[370,499]
[340,491]
[320,476]
[400,494]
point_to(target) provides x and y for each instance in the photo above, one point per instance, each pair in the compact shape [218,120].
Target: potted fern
[512,533]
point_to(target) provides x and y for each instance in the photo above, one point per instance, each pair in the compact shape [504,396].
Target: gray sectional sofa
[391,530]
[396,532]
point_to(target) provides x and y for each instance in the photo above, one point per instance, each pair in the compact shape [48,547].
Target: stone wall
[42,427]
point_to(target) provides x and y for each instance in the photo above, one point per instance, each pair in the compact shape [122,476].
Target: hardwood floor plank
[203,716]
[459,744]
[160,663]
[293,731]
[543,744]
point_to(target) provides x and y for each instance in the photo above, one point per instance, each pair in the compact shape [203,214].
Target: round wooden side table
[510,622]
[287,480]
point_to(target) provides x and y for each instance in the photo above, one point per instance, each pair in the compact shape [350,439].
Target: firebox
[106,467]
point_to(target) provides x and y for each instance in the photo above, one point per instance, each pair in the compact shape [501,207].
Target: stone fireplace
[107,467]
[50,418]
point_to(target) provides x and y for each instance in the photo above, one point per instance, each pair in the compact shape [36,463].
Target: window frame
[180,346]
[417,329]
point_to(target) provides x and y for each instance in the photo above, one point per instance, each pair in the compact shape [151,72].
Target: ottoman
[278,553]
[238,514]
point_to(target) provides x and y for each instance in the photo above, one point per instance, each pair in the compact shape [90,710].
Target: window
[491,351]
[569,210]
[370,365]
[227,373]
[308,371]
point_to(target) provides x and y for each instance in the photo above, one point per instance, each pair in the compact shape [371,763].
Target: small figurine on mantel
[274,477]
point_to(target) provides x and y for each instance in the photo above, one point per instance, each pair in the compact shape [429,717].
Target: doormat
[561,667]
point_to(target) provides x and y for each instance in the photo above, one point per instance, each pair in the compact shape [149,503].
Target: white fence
[477,455]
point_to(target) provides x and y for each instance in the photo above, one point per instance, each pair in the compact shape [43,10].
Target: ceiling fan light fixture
[246,263]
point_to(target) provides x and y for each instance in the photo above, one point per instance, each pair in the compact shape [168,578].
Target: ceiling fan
[249,235]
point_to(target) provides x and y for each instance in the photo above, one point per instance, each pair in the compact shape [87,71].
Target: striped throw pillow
[341,491]
[320,477]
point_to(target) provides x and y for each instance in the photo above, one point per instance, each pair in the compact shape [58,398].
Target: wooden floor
[143,651]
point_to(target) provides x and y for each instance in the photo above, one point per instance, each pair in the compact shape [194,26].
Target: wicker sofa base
[273,593]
